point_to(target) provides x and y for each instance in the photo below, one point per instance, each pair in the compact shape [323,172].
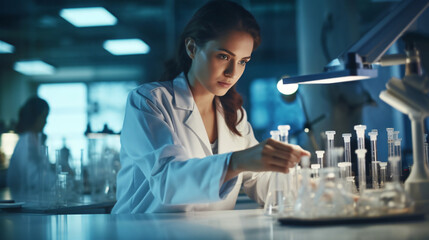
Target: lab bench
[233,224]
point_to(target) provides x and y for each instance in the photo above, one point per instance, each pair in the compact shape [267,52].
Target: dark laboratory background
[86,85]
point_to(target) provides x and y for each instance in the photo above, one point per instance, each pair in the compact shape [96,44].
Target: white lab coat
[167,163]
[29,172]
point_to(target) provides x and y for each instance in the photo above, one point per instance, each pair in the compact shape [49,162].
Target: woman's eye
[223,56]
[242,62]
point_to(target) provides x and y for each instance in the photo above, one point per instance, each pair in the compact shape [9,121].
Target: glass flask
[331,200]
[275,197]
[303,206]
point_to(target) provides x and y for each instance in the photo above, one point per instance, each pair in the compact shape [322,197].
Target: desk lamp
[409,95]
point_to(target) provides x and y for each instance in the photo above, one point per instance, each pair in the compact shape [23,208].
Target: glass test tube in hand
[284,133]
[284,137]
[374,163]
[275,196]
[303,206]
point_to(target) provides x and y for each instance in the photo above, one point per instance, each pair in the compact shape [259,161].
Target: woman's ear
[191,47]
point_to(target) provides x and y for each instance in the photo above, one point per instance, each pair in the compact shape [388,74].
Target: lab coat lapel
[183,99]
[195,123]
[225,137]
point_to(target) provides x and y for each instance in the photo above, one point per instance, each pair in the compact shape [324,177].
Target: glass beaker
[62,189]
[330,199]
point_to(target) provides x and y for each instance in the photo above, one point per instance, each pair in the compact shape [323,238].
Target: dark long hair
[211,21]
[33,108]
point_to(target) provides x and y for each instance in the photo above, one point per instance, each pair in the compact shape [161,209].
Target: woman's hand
[269,155]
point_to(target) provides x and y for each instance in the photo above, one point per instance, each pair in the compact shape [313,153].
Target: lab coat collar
[184,100]
[182,93]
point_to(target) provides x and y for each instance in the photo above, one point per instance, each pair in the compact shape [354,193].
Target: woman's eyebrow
[231,53]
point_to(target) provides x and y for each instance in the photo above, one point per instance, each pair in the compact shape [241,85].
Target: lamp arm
[372,46]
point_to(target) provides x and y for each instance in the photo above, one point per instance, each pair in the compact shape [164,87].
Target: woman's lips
[224,84]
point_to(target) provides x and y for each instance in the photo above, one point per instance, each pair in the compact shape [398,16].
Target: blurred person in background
[29,168]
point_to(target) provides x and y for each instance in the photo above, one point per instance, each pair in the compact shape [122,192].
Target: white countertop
[235,224]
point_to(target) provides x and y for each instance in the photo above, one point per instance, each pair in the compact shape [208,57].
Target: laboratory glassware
[426,151]
[284,133]
[315,170]
[390,151]
[330,199]
[395,198]
[397,147]
[275,197]
[329,146]
[304,202]
[348,151]
[320,154]
[360,133]
[361,169]
[383,174]
[374,163]
[284,137]
[62,189]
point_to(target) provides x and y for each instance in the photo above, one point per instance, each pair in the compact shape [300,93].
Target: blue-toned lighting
[287,89]
[6,47]
[88,17]
[33,67]
[126,46]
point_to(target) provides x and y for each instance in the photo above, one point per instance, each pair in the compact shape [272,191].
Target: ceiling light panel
[88,17]
[126,46]
[6,47]
[33,67]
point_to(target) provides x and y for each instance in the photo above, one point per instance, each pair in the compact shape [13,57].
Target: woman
[186,142]
[25,174]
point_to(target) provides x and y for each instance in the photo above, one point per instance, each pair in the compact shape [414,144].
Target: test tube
[348,151]
[397,147]
[315,169]
[320,154]
[330,146]
[383,178]
[343,170]
[337,155]
[390,142]
[274,199]
[284,137]
[345,177]
[374,164]
[426,150]
[394,168]
[361,169]
[284,133]
[360,133]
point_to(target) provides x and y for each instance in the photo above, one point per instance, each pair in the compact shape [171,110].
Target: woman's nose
[230,70]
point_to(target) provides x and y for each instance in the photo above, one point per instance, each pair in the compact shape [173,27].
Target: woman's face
[218,65]
[40,121]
